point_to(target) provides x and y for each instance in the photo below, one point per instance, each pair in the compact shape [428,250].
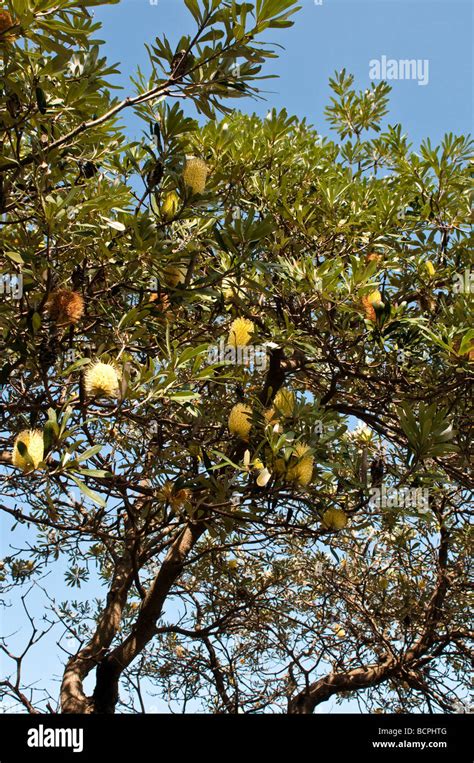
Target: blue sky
[324,38]
[329,37]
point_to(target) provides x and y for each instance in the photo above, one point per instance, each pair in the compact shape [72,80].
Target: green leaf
[89,453]
[88,492]
[36,322]
[467,342]
[193,7]
[50,434]
[15,257]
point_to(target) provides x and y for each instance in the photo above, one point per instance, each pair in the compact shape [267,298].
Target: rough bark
[72,697]
[110,666]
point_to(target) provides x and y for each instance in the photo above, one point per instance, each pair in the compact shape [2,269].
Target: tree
[193,325]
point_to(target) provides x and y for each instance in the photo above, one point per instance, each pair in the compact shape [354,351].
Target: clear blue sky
[324,38]
[332,36]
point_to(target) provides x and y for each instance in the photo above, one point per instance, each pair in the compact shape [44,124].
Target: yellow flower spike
[375,298]
[302,471]
[240,422]
[334,519]
[241,329]
[195,174]
[258,464]
[280,467]
[170,205]
[284,402]
[430,268]
[101,380]
[33,441]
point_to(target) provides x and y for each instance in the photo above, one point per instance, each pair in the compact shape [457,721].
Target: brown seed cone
[373,256]
[162,307]
[65,306]
[6,22]
[369,310]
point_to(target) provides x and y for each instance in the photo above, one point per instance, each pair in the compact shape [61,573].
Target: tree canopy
[236,364]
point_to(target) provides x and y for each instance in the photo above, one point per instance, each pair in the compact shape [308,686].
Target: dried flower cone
[32,439]
[101,380]
[162,306]
[65,306]
[370,302]
[195,174]
[240,422]
[240,332]
[374,257]
[6,22]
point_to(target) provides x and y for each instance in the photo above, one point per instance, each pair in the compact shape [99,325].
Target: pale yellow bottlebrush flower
[101,380]
[334,519]
[32,439]
[241,329]
[264,477]
[195,174]
[302,471]
[284,402]
[240,422]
